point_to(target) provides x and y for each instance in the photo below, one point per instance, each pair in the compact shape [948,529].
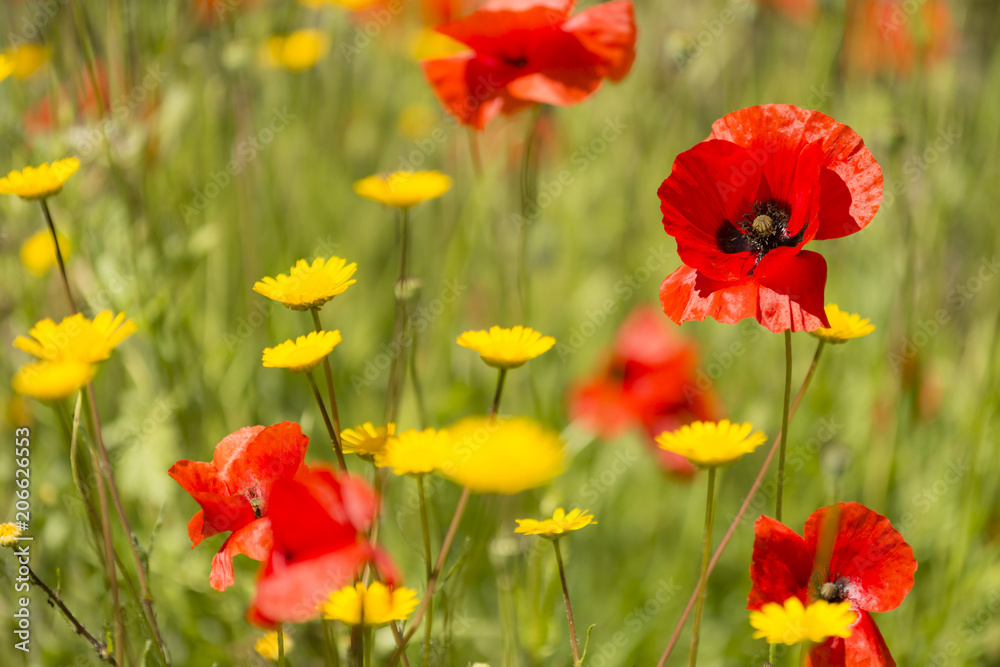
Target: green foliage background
[904,421]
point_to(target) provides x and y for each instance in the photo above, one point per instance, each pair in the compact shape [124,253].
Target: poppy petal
[277,452]
[608,31]
[252,540]
[686,294]
[496,24]
[602,406]
[219,514]
[851,181]
[301,516]
[792,285]
[781,564]
[474,101]
[864,648]
[877,562]
[559,87]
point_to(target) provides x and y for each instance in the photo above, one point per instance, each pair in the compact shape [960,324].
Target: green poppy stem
[281,646]
[569,609]
[529,184]
[428,566]
[706,553]
[397,370]
[330,637]
[334,414]
[326,420]
[784,424]
[496,396]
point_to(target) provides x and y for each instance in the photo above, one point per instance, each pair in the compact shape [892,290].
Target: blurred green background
[904,421]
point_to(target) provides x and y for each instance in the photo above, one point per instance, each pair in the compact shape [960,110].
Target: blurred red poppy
[894,36]
[848,552]
[650,380]
[744,202]
[234,491]
[531,51]
[319,544]
[799,11]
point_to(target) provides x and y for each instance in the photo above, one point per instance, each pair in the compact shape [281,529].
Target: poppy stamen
[762,229]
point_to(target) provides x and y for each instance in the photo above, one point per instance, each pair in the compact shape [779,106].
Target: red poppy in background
[531,51]
[863,559]
[799,11]
[319,545]
[743,203]
[649,380]
[234,491]
[889,35]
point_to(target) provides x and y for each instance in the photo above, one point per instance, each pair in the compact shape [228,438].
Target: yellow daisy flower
[76,338]
[507,348]
[415,452]
[502,455]
[843,326]
[267,646]
[38,253]
[23,61]
[560,523]
[296,51]
[366,440]
[39,182]
[429,43]
[304,353]
[309,285]
[792,622]
[52,380]
[9,532]
[403,189]
[711,444]
[372,605]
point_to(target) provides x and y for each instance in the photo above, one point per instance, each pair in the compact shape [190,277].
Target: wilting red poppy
[234,491]
[800,11]
[651,380]
[743,203]
[319,546]
[529,51]
[893,36]
[863,560]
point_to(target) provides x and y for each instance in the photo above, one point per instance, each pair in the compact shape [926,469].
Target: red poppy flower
[868,564]
[319,546]
[530,51]
[799,11]
[744,202]
[649,380]
[234,491]
[887,35]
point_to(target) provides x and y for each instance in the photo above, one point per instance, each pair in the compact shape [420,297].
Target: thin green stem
[569,609]
[428,566]
[334,414]
[529,178]
[358,643]
[784,423]
[397,371]
[330,637]
[56,601]
[326,420]
[495,407]
[281,646]
[369,645]
[706,553]
[59,256]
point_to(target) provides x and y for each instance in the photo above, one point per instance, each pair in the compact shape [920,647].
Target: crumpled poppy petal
[864,648]
[252,540]
[876,560]
[687,295]
[608,31]
[275,452]
[792,286]
[780,566]
[218,514]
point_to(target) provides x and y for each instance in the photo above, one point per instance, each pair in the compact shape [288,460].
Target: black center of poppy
[256,502]
[515,61]
[762,229]
[834,591]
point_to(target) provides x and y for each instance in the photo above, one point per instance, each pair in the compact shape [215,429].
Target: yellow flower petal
[267,646]
[25,60]
[415,452]
[38,253]
[304,353]
[711,443]
[38,182]
[371,605]
[843,326]
[296,51]
[9,532]
[502,455]
[309,285]
[792,622]
[367,440]
[52,380]
[507,348]
[403,188]
[76,338]
[561,522]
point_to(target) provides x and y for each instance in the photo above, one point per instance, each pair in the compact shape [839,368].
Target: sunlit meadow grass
[183,201]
